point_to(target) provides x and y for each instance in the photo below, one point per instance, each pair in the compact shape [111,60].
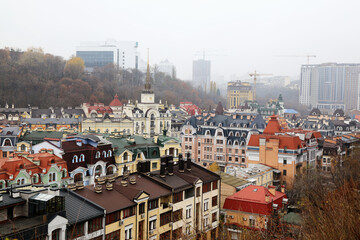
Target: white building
[166,67]
[123,54]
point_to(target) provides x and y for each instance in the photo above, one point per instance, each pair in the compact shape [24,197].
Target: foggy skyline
[249,34]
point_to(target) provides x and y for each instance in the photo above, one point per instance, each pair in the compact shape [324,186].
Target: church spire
[147,84]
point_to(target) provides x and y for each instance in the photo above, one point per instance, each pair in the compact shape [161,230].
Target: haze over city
[241,35]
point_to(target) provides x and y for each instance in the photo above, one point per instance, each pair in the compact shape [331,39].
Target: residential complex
[330,86]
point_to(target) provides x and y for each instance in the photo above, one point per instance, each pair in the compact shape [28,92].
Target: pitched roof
[273,126]
[253,199]
[290,142]
[115,102]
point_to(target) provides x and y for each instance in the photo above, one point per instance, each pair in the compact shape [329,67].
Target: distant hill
[40,79]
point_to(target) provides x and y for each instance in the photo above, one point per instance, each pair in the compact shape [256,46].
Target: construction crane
[255,74]
[308,56]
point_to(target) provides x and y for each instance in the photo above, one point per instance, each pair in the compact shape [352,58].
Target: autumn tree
[214,167]
[74,68]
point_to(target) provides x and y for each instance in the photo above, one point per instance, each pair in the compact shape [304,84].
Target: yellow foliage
[74,68]
[214,167]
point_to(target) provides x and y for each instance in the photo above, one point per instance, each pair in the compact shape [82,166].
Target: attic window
[255,189]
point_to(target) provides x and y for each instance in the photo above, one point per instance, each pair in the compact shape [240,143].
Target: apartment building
[221,138]
[174,202]
[289,151]
[238,93]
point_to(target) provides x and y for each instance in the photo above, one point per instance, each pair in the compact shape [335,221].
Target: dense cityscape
[118,142]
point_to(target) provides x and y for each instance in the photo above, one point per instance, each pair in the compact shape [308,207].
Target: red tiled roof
[290,142]
[252,199]
[102,110]
[115,102]
[273,126]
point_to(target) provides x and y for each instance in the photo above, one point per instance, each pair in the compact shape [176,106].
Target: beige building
[237,93]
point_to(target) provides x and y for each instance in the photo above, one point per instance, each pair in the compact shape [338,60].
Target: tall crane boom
[255,74]
[308,56]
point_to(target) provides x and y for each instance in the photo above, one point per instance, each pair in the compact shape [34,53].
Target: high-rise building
[237,93]
[330,86]
[201,74]
[98,54]
[166,67]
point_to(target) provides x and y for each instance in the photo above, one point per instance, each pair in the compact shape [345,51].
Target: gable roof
[115,102]
[273,126]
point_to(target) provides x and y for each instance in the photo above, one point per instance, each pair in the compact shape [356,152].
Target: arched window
[78,177]
[35,178]
[237,134]
[97,154]
[152,120]
[23,147]
[125,156]
[63,173]
[229,142]
[2,184]
[104,154]
[98,170]
[75,159]
[109,153]
[109,170]
[236,142]
[82,158]
[231,134]
[242,143]
[7,142]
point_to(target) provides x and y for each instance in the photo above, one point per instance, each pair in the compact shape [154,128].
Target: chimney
[139,167]
[162,169]
[79,142]
[124,182]
[283,188]
[272,190]
[143,167]
[132,180]
[181,163]
[170,165]
[109,186]
[188,162]
[267,198]
[98,188]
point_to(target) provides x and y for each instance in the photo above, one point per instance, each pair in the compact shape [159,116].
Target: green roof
[139,144]
[162,139]
[38,136]
[232,181]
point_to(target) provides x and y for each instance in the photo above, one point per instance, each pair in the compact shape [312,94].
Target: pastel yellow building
[237,93]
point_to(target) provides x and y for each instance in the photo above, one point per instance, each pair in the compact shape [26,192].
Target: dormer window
[104,154]
[82,158]
[97,154]
[109,153]
[75,159]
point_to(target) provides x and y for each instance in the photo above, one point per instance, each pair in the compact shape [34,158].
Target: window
[76,231]
[214,201]
[189,193]
[75,159]
[109,153]
[188,211]
[152,223]
[165,235]
[97,154]
[284,172]
[55,235]
[112,217]
[142,208]
[104,154]
[188,230]
[52,177]
[129,211]
[236,159]
[165,218]
[206,204]
[177,233]
[284,161]
[214,185]
[113,235]
[177,215]
[128,232]
[94,224]
[214,217]
[251,222]
[206,221]
[178,197]
[153,204]
[154,165]
[198,191]
[23,147]
[82,158]
[230,159]
[206,187]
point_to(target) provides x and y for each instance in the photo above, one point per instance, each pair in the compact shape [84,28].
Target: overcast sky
[247,34]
